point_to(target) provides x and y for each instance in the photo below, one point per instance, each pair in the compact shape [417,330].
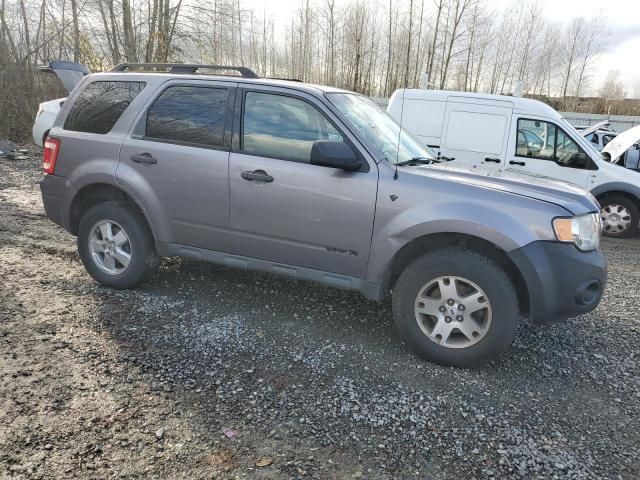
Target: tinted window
[283,127]
[99,106]
[546,141]
[186,114]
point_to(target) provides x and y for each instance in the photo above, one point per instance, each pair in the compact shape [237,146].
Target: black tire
[634,214]
[478,269]
[144,258]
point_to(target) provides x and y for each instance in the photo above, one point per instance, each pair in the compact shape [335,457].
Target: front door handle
[144,158]
[513,162]
[257,175]
[494,160]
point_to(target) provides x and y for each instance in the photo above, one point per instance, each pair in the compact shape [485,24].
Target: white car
[70,74]
[495,134]
[600,136]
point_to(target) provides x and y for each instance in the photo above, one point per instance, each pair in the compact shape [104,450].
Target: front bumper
[561,280]
[56,198]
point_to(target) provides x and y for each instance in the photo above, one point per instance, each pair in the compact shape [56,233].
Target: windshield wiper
[416,161]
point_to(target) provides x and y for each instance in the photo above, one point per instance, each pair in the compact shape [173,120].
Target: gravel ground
[208,372]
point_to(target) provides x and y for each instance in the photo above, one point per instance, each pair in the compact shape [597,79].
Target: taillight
[50,155]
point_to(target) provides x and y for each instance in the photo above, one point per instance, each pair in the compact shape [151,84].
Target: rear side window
[99,106]
[188,115]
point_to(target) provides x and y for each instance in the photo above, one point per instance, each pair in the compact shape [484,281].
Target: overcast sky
[623,19]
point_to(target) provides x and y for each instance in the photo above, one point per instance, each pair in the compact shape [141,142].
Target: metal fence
[619,123]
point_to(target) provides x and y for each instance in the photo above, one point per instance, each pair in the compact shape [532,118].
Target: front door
[176,163]
[285,210]
[543,149]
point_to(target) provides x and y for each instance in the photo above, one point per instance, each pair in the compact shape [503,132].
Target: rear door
[544,149]
[175,161]
[298,214]
[475,134]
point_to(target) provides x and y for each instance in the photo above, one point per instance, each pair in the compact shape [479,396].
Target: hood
[566,195]
[69,73]
[585,132]
[623,142]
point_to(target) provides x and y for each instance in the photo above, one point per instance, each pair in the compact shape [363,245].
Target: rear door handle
[494,160]
[257,175]
[513,162]
[145,158]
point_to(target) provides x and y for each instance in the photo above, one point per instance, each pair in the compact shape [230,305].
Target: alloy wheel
[110,247]
[453,312]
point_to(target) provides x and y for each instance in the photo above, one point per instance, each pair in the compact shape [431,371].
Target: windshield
[378,129]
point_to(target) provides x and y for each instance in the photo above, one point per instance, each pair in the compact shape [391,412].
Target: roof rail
[285,79]
[181,68]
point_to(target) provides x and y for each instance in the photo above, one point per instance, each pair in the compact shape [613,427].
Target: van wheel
[456,308]
[620,216]
[116,245]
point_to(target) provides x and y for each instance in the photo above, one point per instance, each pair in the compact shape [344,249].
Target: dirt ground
[207,372]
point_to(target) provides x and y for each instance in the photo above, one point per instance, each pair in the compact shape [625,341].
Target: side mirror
[580,159]
[328,153]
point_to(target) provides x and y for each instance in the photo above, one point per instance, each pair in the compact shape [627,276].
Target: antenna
[395,173]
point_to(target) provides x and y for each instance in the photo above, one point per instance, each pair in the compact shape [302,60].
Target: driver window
[283,127]
[546,141]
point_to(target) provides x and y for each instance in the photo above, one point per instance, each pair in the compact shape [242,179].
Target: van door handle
[513,162]
[494,160]
[144,158]
[257,175]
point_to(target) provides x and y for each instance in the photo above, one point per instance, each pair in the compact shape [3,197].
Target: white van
[495,133]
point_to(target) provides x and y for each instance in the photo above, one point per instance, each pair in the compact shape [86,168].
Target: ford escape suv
[318,184]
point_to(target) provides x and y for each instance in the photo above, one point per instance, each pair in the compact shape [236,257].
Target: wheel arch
[95,193]
[435,241]
[623,193]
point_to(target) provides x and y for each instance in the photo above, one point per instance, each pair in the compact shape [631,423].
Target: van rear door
[475,132]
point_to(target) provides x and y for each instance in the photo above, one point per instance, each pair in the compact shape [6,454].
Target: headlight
[583,231]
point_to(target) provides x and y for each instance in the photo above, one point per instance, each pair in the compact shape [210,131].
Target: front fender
[508,228]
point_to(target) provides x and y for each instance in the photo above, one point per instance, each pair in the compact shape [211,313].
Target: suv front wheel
[456,308]
[116,246]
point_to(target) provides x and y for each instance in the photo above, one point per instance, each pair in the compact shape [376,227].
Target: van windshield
[388,140]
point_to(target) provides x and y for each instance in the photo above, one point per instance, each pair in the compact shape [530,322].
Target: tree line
[372,47]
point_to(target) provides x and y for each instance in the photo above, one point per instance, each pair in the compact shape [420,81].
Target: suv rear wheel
[456,307]
[116,246]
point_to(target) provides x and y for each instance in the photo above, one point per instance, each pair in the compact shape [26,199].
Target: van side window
[99,105]
[192,115]
[283,127]
[546,141]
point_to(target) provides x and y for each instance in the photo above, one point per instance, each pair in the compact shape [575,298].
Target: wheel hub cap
[110,247]
[616,218]
[453,311]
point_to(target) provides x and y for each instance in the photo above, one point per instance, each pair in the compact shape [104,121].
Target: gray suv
[319,184]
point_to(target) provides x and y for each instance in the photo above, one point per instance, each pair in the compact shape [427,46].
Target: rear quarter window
[98,107]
